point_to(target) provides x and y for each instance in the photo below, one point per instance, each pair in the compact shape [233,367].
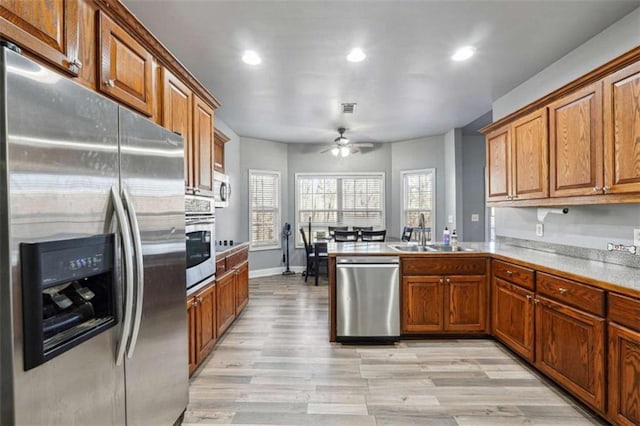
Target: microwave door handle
[228,191]
[223,191]
[137,241]
[125,233]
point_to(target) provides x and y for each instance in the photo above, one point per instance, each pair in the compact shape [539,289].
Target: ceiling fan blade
[327,148]
[363,145]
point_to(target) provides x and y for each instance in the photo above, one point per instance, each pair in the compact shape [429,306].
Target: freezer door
[152,179]
[60,155]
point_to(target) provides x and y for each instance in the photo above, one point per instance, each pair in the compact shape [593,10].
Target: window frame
[277,211]
[403,193]
[336,175]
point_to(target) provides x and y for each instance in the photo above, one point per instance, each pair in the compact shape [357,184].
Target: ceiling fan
[342,147]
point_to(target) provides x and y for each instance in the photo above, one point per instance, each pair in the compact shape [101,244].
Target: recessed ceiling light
[356,55]
[250,57]
[463,53]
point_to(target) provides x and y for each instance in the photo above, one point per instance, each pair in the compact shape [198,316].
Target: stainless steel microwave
[221,190]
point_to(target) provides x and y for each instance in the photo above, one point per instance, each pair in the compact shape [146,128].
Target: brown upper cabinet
[126,67]
[218,155]
[517,159]
[45,28]
[575,143]
[177,100]
[622,130]
[203,125]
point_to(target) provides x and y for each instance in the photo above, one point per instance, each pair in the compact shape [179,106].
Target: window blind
[264,196]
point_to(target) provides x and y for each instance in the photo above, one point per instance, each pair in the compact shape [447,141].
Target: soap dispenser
[445,236]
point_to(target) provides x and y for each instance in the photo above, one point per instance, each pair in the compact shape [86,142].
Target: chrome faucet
[423,236]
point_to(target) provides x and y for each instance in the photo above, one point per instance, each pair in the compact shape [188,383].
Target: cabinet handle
[562,290]
[606,189]
[529,297]
[195,303]
[110,83]
[596,188]
[448,280]
[536,301]
[441,280]
[75,63]
[509,272]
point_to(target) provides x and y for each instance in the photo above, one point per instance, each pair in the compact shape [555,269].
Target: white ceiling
[407,87]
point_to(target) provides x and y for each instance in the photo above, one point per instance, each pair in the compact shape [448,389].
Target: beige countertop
[625,279]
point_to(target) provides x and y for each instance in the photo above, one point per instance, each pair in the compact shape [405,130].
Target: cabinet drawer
[572,293]
[515,274]
[624,310]
[443,266]
[237,258]
[221,266]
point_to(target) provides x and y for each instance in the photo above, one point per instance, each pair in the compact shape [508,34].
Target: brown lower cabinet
[444,303]
[214,308]
[513,317]
[570,349]
[226,301]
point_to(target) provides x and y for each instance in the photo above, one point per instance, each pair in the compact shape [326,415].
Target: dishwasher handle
[367,265]
[368,260]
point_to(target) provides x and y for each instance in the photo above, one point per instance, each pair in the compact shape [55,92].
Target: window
[419,196]
[264,209]
[338,200]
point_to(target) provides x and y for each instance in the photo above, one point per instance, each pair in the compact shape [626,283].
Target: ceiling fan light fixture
[356,55]
[335,151]
[345,151]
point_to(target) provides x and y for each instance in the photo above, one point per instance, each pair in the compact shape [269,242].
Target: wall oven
[200,233]
[221,189]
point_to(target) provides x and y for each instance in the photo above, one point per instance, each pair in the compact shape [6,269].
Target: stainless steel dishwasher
[367,298]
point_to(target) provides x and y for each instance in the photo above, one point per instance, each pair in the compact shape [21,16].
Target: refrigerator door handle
[127,245]
[137,241]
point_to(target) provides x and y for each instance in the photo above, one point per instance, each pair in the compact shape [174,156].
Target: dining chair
[345,236]
[321,257]
[361,228]
[315,256]
[376,236]
[333,229]
[406,233]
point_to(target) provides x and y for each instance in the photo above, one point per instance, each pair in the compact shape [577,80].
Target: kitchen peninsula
[553,310]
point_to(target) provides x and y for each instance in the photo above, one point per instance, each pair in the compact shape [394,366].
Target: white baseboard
[274,271]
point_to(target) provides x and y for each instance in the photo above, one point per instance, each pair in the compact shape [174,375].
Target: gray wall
[584,226]
[453,183]
[423,153]
[228,226]
[473,165]
[262,155]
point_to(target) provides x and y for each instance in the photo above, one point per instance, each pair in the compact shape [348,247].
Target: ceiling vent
[348,108]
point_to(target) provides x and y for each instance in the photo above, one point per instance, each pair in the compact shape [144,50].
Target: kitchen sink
[433,248]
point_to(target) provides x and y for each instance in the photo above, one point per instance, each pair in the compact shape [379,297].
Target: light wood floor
[275,365]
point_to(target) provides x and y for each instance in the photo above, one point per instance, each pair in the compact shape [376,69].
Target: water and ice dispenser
[68,294]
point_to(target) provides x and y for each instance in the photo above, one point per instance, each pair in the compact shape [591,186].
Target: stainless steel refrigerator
[74,165]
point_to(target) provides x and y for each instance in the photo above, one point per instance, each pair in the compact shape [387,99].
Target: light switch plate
[450,218]
[475,217]
[539,229]
[636,237]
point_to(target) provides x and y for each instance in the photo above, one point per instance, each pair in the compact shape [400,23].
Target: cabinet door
[422,304]
[226,301]
[203,143]
[498,165]
[575,143]
[177,101]
[530,163]
[622,130]
[242,286]
[46,28]
[206,321]
[624,375]
[465,303]
[218,155]
[192,333]
[570,349]
[513,317]
[126,67]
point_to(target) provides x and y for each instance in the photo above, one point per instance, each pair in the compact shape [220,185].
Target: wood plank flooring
[275,366]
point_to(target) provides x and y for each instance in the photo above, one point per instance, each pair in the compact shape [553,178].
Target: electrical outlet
[636,237]
[475,217]
[539,229]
